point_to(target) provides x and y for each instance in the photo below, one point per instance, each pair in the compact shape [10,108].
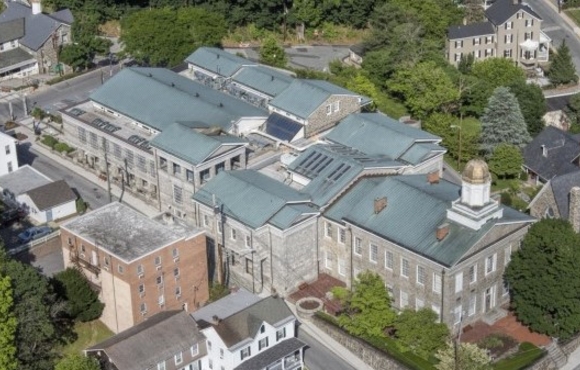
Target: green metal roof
[291,214]
[420,152]
[379,134]
[217,61]
[263,79]
[414,210]
[159,97]
[185,142]
[249,196]
[303,97]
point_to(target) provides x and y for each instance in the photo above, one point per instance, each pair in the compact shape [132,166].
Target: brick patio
[319,289]
[508,326]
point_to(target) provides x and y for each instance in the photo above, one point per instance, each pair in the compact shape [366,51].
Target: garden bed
[526,355]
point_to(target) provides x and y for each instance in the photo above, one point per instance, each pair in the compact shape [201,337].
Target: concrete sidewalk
[339,350]
[552,4]
[138,204]
[573,361]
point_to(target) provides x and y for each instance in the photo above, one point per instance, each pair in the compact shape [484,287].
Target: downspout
[271,262]
[351,257]
[252,254]
[442,295]
[156,159]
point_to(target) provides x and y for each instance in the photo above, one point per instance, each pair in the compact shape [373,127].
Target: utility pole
[217,250]
[107,170]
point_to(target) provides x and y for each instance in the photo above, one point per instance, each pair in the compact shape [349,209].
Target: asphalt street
[318,357]
[91,193]
[556,28]
[55,97]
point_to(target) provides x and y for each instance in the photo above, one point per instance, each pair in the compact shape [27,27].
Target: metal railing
[34,243]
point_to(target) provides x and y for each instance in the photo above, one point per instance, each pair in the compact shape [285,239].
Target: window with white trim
[389,260]
[341,267]
[476,41]
[248,241]
[507,255]
[472,274]
[205,220]
[263,343]
[437,310]
[157,260]
[458,44]
[328,109]
[280,334]
[436,283]
[341,235]
[404,267]
[178,358]
[220,227]
[327,261]
[529,22]
[472,305]
[161,365]
[194,350]
[221,353]
[373,252]
[404,299]
[233,235]
[509,25]
[490,263]
[328,230]
[458,282]
[421,275]
[419,304]
[357,246]
[177,194]
[245,352]
[507,53]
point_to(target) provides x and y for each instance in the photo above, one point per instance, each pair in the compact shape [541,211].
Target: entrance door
[49,215]
[94,260]
[489,298]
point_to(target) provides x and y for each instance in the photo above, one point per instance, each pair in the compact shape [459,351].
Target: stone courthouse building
[434,243]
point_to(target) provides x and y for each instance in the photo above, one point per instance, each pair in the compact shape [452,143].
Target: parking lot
[47,257]
[9,233]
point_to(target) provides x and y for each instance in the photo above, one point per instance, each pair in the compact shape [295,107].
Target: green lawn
[574,14]
[526,355]
[89,333]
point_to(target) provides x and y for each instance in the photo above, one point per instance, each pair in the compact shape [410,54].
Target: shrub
[506,198]
[81,205]
[57,118]
[62,147]
[217,291]
[49,141]
[83,302]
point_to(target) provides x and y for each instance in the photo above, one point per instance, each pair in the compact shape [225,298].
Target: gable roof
[184,141]
[51,195]
[377,134]
[272,354]
[246,323]
[561,186]
[415,208]
[159,97]
[248,196]
[302,97]
[11,30]
[38,27]
[13,57]
[158,338]
[226,306]
[263,79]
[562,149]
[22,180]
[217,61]
[502,10]
[470,30]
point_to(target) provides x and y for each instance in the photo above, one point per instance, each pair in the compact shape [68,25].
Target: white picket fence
[33,243]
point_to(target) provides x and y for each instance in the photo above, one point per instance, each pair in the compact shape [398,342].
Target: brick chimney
[442,231]
[215,319]
[574,208]
[380,204]
[433,177]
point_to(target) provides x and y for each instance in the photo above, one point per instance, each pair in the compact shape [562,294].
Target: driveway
[47,257]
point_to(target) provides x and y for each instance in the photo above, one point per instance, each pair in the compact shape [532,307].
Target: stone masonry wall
[368,354]
[544,201]
[320,120]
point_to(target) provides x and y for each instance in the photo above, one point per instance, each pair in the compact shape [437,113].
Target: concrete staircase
[556,354]
[494,315]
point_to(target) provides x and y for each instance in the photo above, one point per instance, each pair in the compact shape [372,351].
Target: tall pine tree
[502,122]
[562,70]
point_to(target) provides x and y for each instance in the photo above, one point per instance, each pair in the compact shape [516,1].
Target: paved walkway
[338,349]
[26,128]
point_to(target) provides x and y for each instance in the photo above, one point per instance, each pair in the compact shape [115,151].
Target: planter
[306,307]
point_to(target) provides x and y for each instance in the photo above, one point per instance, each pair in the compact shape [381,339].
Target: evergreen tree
[8,326]
[502,122]
[532,104]
[562,70]
[83,302]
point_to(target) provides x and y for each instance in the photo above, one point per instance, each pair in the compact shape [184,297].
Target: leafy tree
[380,65]
[164,37]
[562,70]
[77,362]
[502,122]
[367,310]
[473,11]
[419,332]
[544,279]
[83,302]
[465,63]
[425,88]
[532,104]
[273,54]
[469,357]
[572,110]
[449,128]
[361,84]
[506,161]
[8,325]
[41,317]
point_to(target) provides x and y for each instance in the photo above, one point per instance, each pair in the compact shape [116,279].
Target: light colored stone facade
[339,106]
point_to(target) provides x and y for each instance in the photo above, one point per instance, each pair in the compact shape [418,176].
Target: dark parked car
[34,232]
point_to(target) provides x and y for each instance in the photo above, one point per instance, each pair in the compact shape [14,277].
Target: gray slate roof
[562,148]
[11,30]
[377,134]
[470,30]
[248,196]
[125,232]
[51,195]
[217,61]
[561,186]
[414,210]
[303,97]
[263,79]
[158,338]
[159,97]
[245,324]
[14,56]
[185,142]
[23,179]
[502,10]
[226,306]
[38,27]
[269,356]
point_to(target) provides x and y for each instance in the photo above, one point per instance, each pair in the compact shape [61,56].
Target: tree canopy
[419,332]
[367,310]
[78,362]
[502,122]
[273,54]
[8,325]
[506,161]
[83,302]
[562,69]
[165,37]
[544,279]
[532,104]
[469,356]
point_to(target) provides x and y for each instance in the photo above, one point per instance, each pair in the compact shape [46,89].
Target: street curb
[565,18]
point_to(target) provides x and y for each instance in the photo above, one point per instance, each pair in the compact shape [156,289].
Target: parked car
[33,233]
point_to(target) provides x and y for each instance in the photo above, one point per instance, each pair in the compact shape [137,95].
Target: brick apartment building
[140,266]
